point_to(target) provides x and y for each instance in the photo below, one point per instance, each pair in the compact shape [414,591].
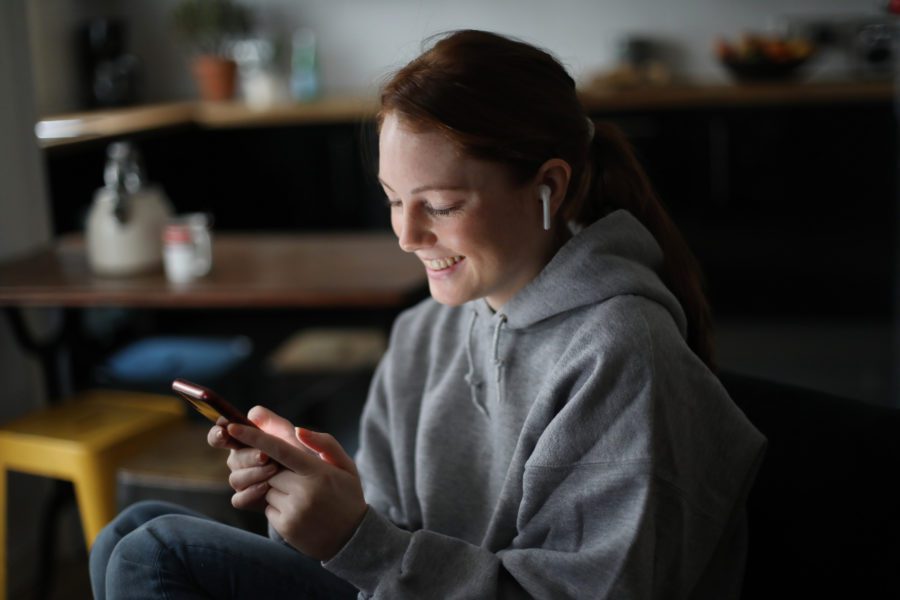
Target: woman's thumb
[272,423]
[327,448]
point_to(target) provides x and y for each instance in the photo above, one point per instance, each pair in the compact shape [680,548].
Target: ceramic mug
[187,247]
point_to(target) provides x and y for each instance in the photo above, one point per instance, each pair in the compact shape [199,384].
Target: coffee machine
[109,72]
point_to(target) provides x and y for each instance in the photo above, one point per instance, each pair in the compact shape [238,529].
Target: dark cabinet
[790,209]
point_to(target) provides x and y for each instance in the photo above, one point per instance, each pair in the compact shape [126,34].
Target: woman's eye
[441,212]
[433,211]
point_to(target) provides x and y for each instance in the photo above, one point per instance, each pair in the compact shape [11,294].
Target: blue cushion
[161,359]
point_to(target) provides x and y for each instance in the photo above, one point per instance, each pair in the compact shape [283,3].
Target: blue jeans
[161,550]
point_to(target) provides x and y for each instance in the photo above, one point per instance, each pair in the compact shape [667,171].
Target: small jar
[179,253]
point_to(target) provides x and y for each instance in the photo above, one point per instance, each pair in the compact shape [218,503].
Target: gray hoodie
[569,445]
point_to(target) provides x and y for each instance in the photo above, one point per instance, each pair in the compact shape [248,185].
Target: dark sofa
[824,512]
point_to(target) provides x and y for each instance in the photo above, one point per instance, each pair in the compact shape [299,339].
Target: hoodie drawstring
[476,384]
[472,379]
[498,362]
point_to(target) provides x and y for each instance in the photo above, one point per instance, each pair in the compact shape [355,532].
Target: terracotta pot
[216,77]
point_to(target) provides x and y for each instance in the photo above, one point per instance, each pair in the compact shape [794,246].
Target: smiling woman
[547,424]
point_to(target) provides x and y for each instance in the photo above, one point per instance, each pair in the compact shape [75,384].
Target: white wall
[23,225]
[24,218]
[361,40]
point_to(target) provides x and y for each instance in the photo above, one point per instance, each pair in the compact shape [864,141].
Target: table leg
[61,497]
[49,352]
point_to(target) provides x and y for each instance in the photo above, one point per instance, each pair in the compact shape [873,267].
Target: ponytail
[614,179]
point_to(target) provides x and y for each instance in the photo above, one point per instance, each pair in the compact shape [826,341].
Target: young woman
[546,425]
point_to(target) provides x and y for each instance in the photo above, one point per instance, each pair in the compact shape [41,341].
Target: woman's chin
[447,297]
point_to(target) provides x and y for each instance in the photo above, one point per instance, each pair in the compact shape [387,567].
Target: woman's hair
[506,101]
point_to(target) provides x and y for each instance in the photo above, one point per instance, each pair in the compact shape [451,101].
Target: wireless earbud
[544,191]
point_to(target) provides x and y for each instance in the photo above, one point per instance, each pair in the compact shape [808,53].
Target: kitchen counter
[744,95]
[77,127]
[71,128]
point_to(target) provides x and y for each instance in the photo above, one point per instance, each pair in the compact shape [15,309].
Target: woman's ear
[555,174]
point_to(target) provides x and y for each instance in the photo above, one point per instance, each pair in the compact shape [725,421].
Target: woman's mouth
[441,264]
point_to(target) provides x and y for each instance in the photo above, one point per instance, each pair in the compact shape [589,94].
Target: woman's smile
[441,264]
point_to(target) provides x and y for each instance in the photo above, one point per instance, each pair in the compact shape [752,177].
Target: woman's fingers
[316,511]
[242,479]
[218,437]
[290,453]
[265,419]
[314,498]
[251,498]
[327,448]
[244,458]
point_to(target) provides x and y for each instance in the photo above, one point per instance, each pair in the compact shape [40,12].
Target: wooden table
[365,271]
[346,270]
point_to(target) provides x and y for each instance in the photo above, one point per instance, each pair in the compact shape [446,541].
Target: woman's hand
[315,502]
[251,468]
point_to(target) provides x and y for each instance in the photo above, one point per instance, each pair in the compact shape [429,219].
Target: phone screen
[204,409]
[208,403]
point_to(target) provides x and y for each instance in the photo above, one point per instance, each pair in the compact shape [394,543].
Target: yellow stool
[82,440]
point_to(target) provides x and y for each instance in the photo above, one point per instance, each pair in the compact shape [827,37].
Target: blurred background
[359,42]
[769,128]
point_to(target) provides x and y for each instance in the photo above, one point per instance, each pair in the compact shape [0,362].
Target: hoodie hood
[612,257]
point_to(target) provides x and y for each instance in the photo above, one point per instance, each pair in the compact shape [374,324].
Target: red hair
[503,100]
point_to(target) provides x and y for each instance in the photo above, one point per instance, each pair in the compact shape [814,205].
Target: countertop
[72,128]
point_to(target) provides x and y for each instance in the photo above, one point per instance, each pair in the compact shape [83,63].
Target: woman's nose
[412,231]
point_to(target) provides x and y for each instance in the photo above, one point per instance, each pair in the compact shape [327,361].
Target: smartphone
[208,403]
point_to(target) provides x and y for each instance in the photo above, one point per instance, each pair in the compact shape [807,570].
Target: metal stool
[82,440]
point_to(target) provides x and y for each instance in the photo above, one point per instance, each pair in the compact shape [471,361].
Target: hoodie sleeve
[610,561]
[599,517]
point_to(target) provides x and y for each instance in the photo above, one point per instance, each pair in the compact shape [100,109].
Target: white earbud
[544,191]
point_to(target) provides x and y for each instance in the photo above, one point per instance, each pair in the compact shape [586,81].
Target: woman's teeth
[442,263]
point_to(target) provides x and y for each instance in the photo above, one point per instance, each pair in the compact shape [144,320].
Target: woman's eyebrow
[427,188]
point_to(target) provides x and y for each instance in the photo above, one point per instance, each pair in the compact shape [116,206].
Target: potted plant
[211,27]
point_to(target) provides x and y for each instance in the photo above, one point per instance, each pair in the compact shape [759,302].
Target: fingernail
[262,458]
[220,434]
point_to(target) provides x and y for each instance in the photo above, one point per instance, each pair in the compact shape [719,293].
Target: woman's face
[478,234]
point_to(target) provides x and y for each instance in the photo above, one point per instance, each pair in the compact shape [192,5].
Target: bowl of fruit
[756,57]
